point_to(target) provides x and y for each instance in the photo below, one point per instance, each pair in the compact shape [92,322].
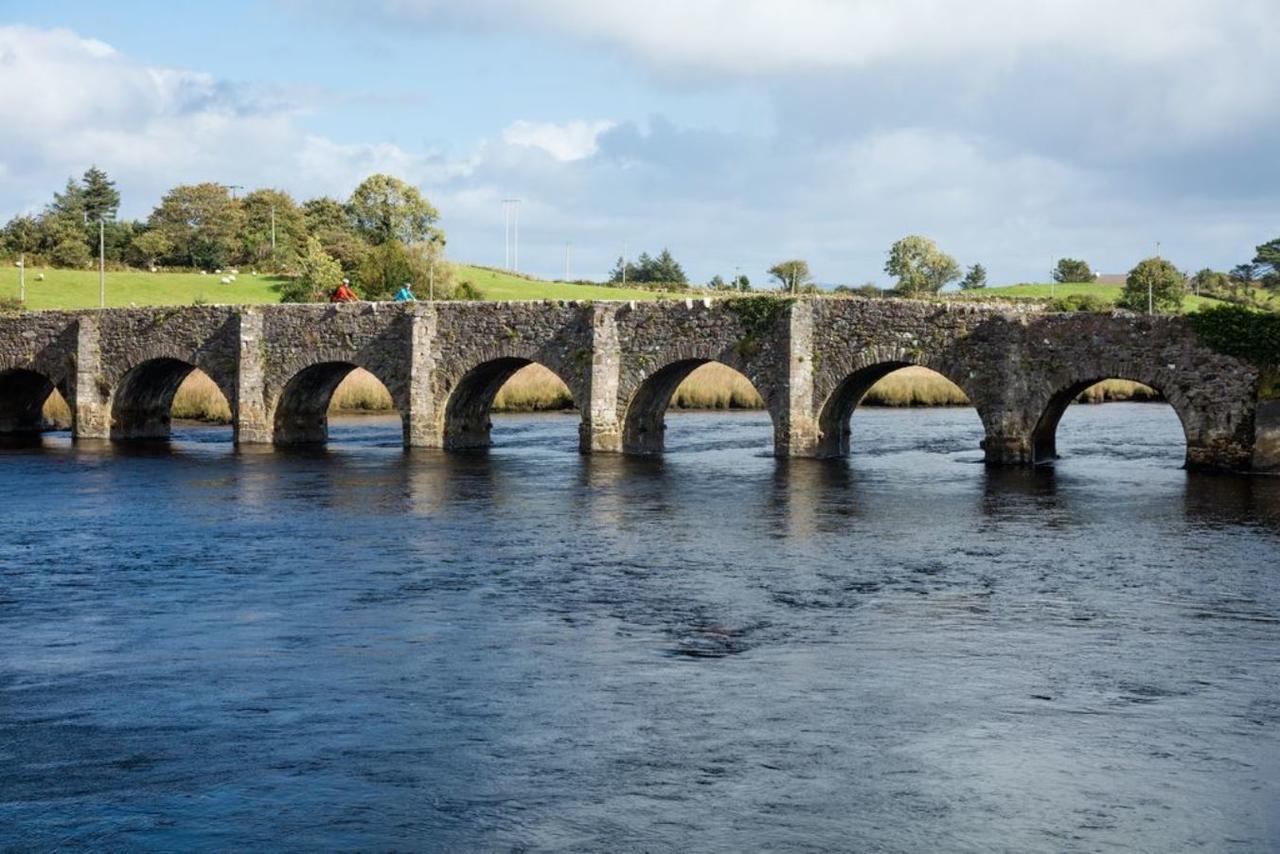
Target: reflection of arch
[302,410]
[143,399]
[23,393]
[469,404]
[644,421]
[834,419]
[1044,436]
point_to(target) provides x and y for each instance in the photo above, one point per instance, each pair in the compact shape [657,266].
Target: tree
[975,278]
[1244,274]
[202,222]
[920,266]
[151,246]
[665,268]
[72,253]
[741,283]
[318,276]
[1267,262]
[1157,280]
[1209,281]
[717,283]
[261,208]
[384,208]
[1072,270]
[99,196]
[21,234]
[648,270]
[792,275]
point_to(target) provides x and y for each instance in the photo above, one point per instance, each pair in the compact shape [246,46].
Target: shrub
[1080,302]
[71,253]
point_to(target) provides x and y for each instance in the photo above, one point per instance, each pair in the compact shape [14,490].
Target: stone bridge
[812,360]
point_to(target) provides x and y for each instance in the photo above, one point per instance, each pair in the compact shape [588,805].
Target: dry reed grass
[537,389]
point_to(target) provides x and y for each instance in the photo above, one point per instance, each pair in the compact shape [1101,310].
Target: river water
[530,649]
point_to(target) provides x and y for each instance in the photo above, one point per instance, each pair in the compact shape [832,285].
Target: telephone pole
[102,265]
[511,233]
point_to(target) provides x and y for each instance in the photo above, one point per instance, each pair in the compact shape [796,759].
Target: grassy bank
[1108,293]
[70,289]
[536,389]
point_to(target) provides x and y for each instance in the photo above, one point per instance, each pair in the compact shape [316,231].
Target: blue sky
[736,133]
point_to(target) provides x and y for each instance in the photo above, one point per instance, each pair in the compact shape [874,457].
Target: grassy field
[1110,293]
[65,289]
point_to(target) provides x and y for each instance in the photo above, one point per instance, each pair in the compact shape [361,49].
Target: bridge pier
[90,396]
[600,430]
[424,416]
[251,422]
[795,428]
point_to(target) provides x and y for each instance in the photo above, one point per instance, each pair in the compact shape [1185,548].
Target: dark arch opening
[691,384]
[23,395]
[302,413]
[468,413]
[143,404]
[882,385]
[1044,438]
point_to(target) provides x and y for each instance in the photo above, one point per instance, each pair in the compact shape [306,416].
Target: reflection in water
[525,647]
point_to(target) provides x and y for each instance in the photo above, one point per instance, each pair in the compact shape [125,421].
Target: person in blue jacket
[404,294]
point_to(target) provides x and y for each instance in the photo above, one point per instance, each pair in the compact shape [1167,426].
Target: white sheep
[226,280]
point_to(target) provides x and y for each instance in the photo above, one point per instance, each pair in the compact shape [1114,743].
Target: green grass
[67,289]
[79,288]
[1111,293]
[496,285]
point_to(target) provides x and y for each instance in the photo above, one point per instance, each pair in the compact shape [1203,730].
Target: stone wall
[811,360]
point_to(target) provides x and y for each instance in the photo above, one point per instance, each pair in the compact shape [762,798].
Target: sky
[737,133]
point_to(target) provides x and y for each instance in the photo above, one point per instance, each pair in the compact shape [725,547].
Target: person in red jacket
[344,293]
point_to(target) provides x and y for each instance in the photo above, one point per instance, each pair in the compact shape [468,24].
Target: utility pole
[102,265]
[273,232]
[624,263]
[1151,307]
[511,233]
[233,188]
[22,277]
[1053,280]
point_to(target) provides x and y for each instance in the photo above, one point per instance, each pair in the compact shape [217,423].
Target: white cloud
[569,141]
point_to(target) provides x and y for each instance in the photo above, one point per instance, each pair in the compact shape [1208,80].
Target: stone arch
[856,378]
[644,416]
[142,399]
[23,393]
[301,410]
[1044,444]
[468,398]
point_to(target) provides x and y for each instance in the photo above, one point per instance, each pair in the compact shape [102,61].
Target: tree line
[383,235]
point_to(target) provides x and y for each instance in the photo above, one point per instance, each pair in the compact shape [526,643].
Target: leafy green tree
[1209,281]
[71,253]
[319,275]
[665,268]
[741,283]
[1244,274]
[21,234]
[975,278]
[98,195]
[648,270]
[384,208]
[260,208]
[717,283]
[202,222]
[150,246]
[920,266]
[1267,262]
[792,276]
[1072,270]
[1155,280]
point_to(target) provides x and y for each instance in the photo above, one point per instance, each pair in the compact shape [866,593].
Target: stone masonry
[812,360]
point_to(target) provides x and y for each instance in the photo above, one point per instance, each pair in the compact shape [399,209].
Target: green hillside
[65,289]
[1110,293]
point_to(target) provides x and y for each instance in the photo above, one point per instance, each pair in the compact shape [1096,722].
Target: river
[529,649]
